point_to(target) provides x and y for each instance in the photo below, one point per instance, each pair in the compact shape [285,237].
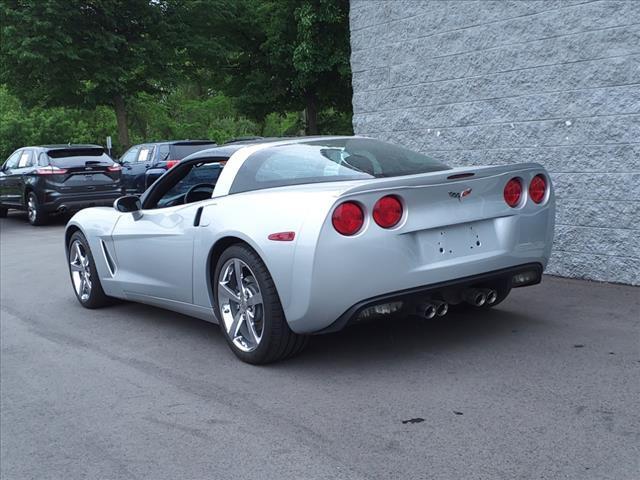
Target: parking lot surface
[544,386]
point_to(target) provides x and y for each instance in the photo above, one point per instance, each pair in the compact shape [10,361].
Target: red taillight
[513,192]
[538,188]
[387,211]
[114,168]
[172,163]
[282,236]
[50,170]
[348,218]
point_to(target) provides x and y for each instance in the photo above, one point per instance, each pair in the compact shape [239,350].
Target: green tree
[86,53]
[273,55]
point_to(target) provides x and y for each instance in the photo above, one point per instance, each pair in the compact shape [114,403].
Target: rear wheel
[84,276]
[3,212]
[249,309]
[35,212]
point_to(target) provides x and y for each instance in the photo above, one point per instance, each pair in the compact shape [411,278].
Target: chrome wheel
[240,304]
[32,209]
[80,271]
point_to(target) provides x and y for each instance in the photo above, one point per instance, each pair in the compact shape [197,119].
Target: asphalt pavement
[544,386]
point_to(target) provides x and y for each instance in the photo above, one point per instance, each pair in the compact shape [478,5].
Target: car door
[136,170]
[128,176]
[154,246]
[154,250]
[9,192]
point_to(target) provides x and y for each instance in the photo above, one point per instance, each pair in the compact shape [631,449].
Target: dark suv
[58,178]
[158,156]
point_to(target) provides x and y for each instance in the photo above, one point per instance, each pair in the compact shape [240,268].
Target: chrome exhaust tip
[427,310]
[475,297]
[491,296]
[441,308]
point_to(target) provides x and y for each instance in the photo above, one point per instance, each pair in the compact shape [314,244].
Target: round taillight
[538,188]
[387,211]
[513,192]
[348,218]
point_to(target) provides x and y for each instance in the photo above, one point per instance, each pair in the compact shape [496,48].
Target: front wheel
[84,276]
[249,309]
[35,212]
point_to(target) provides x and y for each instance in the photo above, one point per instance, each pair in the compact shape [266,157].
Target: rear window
[70,158]
[179,151]
[333,160]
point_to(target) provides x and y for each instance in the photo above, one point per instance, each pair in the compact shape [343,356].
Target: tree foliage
[85,53]
[77,70]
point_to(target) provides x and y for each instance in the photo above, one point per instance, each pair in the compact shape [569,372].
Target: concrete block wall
[496,82]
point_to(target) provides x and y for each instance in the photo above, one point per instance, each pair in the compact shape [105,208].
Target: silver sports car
[279,239]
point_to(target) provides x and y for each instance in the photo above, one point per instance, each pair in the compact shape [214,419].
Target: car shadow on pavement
[393,339]
[18,219]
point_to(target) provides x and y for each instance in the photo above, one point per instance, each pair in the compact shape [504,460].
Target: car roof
[226,150]
[66,146]
[179,142]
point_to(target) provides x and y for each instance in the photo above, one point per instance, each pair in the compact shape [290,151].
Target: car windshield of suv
[329,160]
[73,158]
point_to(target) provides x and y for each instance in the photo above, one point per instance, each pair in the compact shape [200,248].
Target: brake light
[387,211]
[50,170]
[114,168]
[513,192]
[348,218]
[172,163]
[538,188]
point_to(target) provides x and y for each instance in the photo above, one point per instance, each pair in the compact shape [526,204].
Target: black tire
[278,341]
[35,212]
[3,212]
[96,298]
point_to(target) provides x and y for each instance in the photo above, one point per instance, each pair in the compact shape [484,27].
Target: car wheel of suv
[84,276]
[36,214]
[3,212]
[249,309]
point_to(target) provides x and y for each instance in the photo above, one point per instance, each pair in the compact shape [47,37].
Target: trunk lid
[84,170]
[450,197]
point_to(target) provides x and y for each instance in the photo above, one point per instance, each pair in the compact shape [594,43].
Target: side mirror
[152,175]
[127,204]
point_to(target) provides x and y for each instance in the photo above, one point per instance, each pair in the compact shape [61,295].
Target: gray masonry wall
[497,82]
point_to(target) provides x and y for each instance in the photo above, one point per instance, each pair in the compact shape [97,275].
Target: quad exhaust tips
[431,309]
[480,296]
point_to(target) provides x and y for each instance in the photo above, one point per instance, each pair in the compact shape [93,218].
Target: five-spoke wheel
[249,309]
[80,271]
[241,304]
[84,276]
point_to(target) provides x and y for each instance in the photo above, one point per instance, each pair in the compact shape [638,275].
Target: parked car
[304,236]
[51,179]
[157,156]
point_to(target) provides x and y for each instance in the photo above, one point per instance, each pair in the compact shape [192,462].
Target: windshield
[329,160]
[201,174]
[76,157]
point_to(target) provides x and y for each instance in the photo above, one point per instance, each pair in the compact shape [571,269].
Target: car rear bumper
[504,277]
[347,273]
[56,202]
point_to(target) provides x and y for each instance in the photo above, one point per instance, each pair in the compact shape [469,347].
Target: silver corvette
[279,239]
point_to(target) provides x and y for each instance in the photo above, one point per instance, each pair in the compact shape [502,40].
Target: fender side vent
[110,263]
